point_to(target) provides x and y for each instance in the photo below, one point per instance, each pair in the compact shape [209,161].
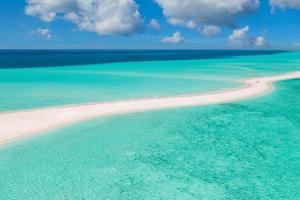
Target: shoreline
[20,124]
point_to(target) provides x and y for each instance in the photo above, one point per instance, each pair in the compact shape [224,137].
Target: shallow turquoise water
[244,150]
[25,88]
[31,88]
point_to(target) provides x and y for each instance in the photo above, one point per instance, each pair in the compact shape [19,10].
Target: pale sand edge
[18,124]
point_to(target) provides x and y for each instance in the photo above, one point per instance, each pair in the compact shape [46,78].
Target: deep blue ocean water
[43,58]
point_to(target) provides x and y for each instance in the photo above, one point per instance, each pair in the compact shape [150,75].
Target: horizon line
[147,49]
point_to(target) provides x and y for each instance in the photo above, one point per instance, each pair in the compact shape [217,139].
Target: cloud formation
[43,32]
[241,38]
[191,13]
[105,17]
[175,38]
[283,4]
[260,42]
[154,25]
[210,30]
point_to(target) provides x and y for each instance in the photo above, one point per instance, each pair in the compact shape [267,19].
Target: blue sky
[125,24]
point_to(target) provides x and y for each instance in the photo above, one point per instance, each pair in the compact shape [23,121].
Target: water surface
[25,88]
[245,150]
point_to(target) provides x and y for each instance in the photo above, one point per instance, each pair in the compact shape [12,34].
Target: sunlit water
[24,88]
[242,150]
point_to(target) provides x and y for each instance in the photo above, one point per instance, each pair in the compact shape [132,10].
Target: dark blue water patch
[49,58]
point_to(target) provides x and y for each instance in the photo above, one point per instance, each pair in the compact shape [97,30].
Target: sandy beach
[18,124]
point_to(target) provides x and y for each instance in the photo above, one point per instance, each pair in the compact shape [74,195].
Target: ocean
[27,81]
[243,150]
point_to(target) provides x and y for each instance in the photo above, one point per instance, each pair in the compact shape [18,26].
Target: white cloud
[190,13]
[210,30]
[179,22]
[154,25]
[241,38]
[285,4]
[105,17]
[43,32]
[260,42]
[175,38]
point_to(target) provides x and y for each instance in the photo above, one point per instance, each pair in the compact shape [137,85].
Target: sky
[150,24]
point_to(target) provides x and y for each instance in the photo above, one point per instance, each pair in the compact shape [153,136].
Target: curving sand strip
[19,124]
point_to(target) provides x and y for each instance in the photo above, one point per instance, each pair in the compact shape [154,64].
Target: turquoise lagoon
[243,150]
[24,88]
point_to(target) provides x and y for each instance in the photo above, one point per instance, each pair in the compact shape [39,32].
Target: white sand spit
[20,124]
